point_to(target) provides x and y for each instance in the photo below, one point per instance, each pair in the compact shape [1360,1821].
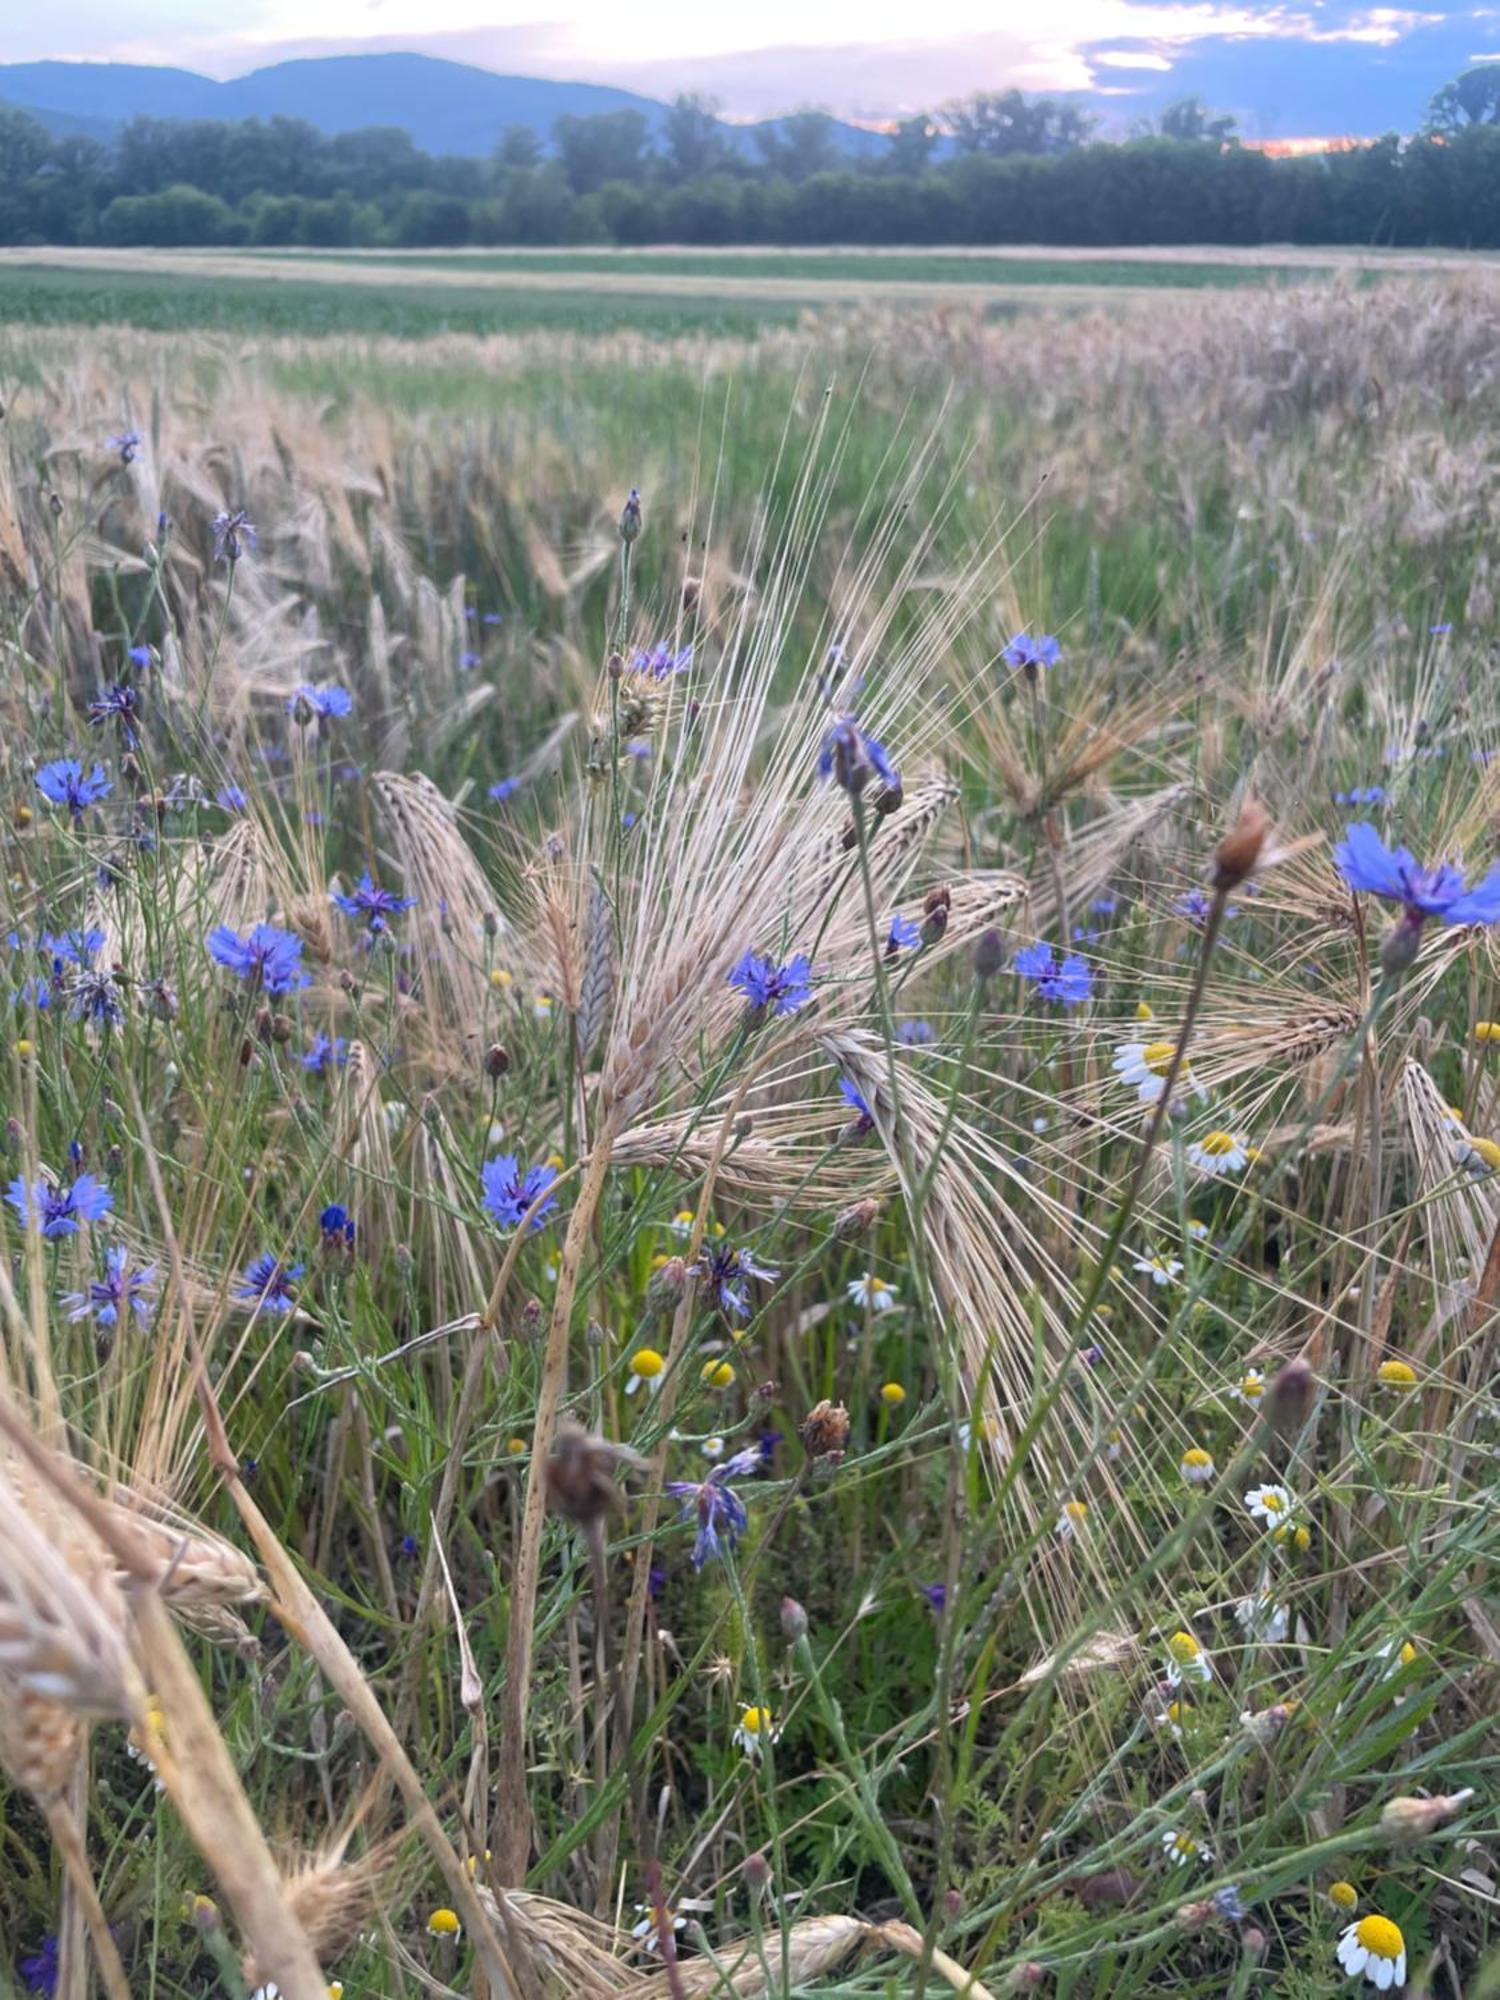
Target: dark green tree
[609,147]
[1471,99]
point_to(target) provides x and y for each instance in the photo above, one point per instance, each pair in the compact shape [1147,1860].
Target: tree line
[999,168]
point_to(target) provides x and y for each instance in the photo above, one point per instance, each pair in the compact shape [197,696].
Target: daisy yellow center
[1252,1386]
[647,1362]
[1157,1056]
[443,1923]
[892,1393]
[1217,1144]
[1272,1502]
[515,1446]
[754,1720]
[1487,1150]
[1174,1711]
[1184,1843]
[718,1374]
[1197,1459]
[1398,1374]
[876,1284]
[1380,1937]
[1143,1011]
[1302,1540]
[684,1216]
[1487,1031]
[1077,1510]
[500,977]
[1183,1647]
[1408,1654]
[1343,1895]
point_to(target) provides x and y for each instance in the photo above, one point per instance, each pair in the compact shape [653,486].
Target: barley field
[752,1190]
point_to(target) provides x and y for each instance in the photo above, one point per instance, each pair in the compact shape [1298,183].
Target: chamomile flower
[1396,1374]
[1375,1948]
[1262,1619]
[681,1224]
[1271,1504]
[756,1728]
[712,1447]
[646,1367]
[1170,1718]
[892,1395]
[719,1374]
[1181,1849]
[1162,1271]
[1250,1389]
[444,1924]
[1196,1465]
[1344,1897]
[1221,1153]
[1073,1519]
[1186,1660]
[1144,1067]
[649,1924]
[1400,1653]
[871,1292]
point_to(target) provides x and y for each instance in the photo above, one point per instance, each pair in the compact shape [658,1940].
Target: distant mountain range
[1278,84]
[446,107]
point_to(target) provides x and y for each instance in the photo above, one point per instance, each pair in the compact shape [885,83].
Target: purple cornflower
[504,788]
[41,1970]
[1104,906]
[94,995]
[57,1211]
[1031,654]
[467,662]
[1065,985]
[915,1034]
[70,948]
[1195,906]
[64,782]
[854,1097]
[904,936]
[337,1226]
[324,1053]
[127,444]
[140,656]
[232,798]
[373,903]
[266,957]
[661,662]
[233,534]
[1362,795]
[726,1271]
[319,702]
[715,1506]
[119,1291]
[1367,864]
[508,1193]
[851,758]
[936,1595]
[773,988]
[268,1282]
[120,703]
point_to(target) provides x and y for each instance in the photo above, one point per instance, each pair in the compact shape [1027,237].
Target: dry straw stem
[812,1949]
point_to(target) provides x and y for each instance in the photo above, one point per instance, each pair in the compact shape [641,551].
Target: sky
[859,58]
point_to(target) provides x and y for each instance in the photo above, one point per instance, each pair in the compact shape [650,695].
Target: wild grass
[356,1593]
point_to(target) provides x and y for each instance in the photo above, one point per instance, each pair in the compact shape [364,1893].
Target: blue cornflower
[323,1053]
[1362,795]
[320,702]
[408,1546]
[726,1271]
[1065,985]
[493,618]
[66,948]
[120,702]
[915,1034]
[1024,651]
[904,936]
[268,1282]
[127,444]
[266,957]
[337,1226]
[715,1506]
[1441,630]
[233,534]
[232,798]
[508,1193]
[467,662]
[140,656]
[769,987]
[1229,1903]
[504,788]
[851,758]
[854,1097]
[1367,864]
[65,783]
[41,1970]
[661,662]
[57,1211]
[120,1290]
[936,1595]
[373,903]
[1104,906]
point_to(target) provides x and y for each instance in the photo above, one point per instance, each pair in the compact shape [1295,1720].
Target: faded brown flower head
[581,1474]
[825,1429]
[1241,849]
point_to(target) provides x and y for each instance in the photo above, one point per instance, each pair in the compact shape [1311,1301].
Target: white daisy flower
[872,1292]
[1144,1066]
[712,1447]
[1197,1466]
[1375,1947]
[755,1730]
[1250,1389]
[542,1006]
[1161,1271]
[646,1367]
[1170,1719]
[1220,1153]
[647,1929]
[1198,1231]
[1401,1654]
[1261,1618]
[1186,1660]
[1181,1848]
[681,1224]
[1072,1520]
[1271,1504]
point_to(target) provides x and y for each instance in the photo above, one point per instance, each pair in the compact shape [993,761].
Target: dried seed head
[1293,1391]
[1241,849]
[825,1430]
[756,1872]
[989,954]
[856,1219]
[1108,1889]
[580,1473]
[793,1620]
[1414,1819]
[496,1062]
